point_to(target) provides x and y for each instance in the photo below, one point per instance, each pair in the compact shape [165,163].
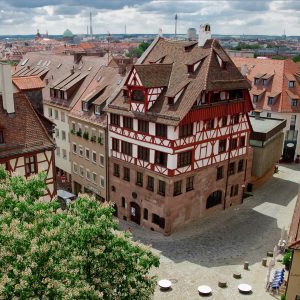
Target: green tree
[79,253]
[296,58]
[138,51]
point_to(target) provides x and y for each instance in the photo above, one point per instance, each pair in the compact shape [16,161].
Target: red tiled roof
[28,83]
[282,72]
[23,131]
[295,245]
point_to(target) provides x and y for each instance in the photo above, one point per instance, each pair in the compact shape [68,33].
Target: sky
[147,16]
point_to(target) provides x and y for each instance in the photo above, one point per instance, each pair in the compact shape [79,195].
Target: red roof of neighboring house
[23,131]
[295,245]
[28,83]
[278,73]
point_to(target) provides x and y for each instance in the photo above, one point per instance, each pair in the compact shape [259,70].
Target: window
[241,165]
[155,219]
[215,97]
[265,82]
[50,112]
[256,80]
[222,146]
[62,116]
[81,171]
[123,202]
[242,141]
[64,153]
[189,183]
[224,121]
[94,176]
[88,175]
[185,130]
[293,122]
[85,106]
[94,157]
[115,119]
[1,137]
[101,160]
[236,94]
[56,114]
[184,158]
[115,144]
[214,199]
[116,170]
[210,124]
[102,182]
[233,144]
[190,68]
[128,123]
[56,132]
[30,165]
[270,100]
[75,168]
[63,135]
[126,148]
[74,148]
[161,130]
[143,126]
[177,188]
[291,84]
[97,110]
[161,158]
[220,172]
[294,102]
[139,178]
[150,183]
[269,115]
[145,213]
[137,96]
[57,151]
[161,187]
[80,151]
[234,190]
[126,175]
[255,98]
[143,153]
[231,168]
[235,119]
[87,153]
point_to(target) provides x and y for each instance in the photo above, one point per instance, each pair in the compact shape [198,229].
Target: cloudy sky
[147,16]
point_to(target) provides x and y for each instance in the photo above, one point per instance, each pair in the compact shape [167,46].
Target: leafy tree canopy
[138,51]
[296,58]
[79,253]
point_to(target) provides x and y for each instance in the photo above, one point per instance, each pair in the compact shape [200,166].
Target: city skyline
[269,17]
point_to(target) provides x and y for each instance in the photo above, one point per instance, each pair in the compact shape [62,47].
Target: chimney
[204,34]
[6,88]
[257,114]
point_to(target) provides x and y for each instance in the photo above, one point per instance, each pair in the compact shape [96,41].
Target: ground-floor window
[214,199]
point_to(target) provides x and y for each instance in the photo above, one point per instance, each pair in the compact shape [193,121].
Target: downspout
[106,145]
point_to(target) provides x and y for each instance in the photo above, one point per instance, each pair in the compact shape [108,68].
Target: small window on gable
[270,100]
[85,106]
[291,84]
[294,102]
[137,96]
[265,82]
[170,100]
[190,68]
[97,110]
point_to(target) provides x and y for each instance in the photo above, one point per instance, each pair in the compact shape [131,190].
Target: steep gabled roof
[26,83]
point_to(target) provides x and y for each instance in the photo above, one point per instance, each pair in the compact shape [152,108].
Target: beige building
[87,122]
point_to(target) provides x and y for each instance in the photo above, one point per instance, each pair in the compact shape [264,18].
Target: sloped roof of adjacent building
[295,245]
[278,73]
[176,56]
[26,83]
[23,131]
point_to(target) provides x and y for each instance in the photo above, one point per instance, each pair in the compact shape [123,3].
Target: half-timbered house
[179,134]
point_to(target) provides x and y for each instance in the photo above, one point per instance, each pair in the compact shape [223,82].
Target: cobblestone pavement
[211,249]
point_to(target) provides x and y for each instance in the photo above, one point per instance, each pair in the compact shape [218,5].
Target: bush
[283,297]
[287,259]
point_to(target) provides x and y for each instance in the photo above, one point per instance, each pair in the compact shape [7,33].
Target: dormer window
[294,102]
[255,98]
[291,84]
[97,110]
[256,81]
[171,101]
[190,68]
[1,137]
[137,96]
[270,100]
[265,82]
[85,106]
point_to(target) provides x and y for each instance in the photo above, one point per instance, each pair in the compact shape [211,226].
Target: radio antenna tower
[91,26]
[176,17]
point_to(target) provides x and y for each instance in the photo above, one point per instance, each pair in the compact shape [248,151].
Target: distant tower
[87,30]
[125,30]
[47,34]
[160,32]
[192,34]
[91,25]
[176,17]
[204,34]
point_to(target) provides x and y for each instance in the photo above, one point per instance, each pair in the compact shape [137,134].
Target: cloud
[147,16]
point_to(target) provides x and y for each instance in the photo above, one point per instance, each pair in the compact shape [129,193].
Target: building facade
[275,92]
[179,135]
[26,148]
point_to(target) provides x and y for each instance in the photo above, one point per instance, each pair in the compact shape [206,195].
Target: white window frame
[81,171]
[88,174]
[87,149]
[102,179]
[75,167]
[63,116]
[75,152]
[94,153]
[94,177]
[64,138]
[101,155]
[64,154]
[56,114]
[80,153]
[97,110]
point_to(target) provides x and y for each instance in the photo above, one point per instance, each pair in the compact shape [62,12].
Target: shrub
[287,259]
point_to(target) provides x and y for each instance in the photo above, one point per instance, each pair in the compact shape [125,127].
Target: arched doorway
[213,199]
[135,212]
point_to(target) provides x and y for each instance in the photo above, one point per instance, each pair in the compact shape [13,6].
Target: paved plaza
[211,249]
